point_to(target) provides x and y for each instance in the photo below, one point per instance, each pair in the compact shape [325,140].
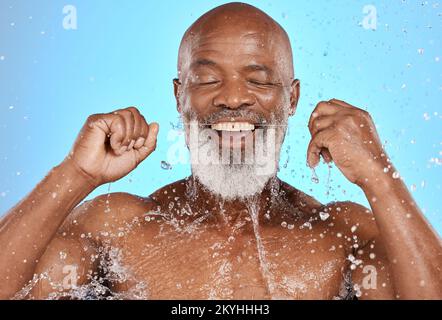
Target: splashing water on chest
[253,208]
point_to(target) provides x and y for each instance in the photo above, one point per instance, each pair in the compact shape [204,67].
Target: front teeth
[233,126]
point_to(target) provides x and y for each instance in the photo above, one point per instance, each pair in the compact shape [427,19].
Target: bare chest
[210,265]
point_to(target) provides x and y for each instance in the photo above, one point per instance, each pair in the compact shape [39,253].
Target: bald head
[243,24]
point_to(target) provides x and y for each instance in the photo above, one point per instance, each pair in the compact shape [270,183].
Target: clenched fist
[347,136]
[111,145]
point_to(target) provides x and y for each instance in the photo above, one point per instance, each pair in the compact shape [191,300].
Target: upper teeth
[233,126]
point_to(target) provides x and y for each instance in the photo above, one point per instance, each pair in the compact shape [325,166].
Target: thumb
[151,141]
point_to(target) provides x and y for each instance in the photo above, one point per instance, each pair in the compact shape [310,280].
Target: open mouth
[233,126]
[234,133]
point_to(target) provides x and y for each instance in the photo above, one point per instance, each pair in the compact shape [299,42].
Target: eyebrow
[258,67]
[203,62]
[250,67]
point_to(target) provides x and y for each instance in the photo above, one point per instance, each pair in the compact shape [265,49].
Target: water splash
[253,208]
[24,292]
[315,178]
[179,126]
[107,206]
[286,162]
[96,288]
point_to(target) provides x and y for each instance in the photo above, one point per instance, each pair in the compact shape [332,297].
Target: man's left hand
[347,136]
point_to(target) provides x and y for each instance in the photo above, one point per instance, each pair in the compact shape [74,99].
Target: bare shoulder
[352,219]
[348,219]
[106,214]
[173,190]
[299,199]
[371,273]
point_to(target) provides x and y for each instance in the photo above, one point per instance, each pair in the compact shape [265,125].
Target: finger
[341,103]
[347,106]
[143,135]
[113,126]
[137,123]
[321,123]
[151,141]
[117,134]
[323,108]
[316,145]
[326,155]
[130,123]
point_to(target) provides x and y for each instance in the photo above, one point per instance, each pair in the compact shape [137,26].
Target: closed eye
[209,83]
[261,83]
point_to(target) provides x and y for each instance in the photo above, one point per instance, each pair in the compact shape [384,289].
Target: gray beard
[232,181]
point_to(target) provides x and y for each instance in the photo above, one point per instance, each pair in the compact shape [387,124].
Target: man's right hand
[111,145]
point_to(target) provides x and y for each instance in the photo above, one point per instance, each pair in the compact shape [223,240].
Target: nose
[233,95]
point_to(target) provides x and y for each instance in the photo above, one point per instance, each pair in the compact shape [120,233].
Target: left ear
[295,90]
[176,86]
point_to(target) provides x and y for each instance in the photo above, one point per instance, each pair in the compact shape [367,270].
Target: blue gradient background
[124,53]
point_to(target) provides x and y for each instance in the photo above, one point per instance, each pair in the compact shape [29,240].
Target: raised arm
[29,227]
[69,263]
[108,147]
[347,135]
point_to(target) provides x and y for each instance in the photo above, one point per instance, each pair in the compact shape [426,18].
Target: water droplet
[323,215]
[396,175]
[177,126]
[306,225]
[166,165]
[315,178]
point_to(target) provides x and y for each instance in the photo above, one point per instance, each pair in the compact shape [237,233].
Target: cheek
[197,101]
[273,99]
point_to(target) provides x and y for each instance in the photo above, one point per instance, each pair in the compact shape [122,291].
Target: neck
[229,211]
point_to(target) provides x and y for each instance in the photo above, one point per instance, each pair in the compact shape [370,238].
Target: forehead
[235,46]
